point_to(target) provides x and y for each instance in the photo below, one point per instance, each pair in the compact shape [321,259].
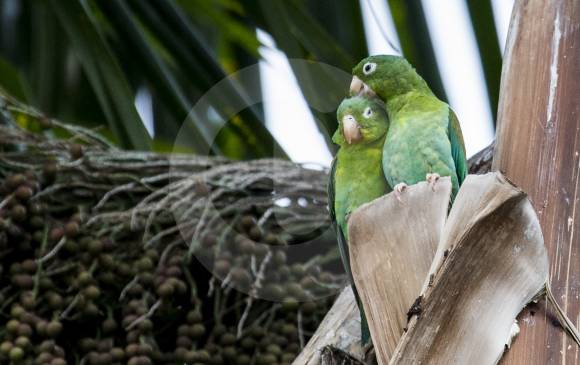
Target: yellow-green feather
[424,135]
[356,173]
[356,178]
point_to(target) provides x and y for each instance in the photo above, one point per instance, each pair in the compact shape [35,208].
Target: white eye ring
[368,112]
[349,117]
[369,68]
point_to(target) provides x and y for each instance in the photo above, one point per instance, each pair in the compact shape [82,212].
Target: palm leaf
[11,80]
[413,33]
[183,41]
[343,20]
[154,70]
[481,14]
[104,73]
[300,36]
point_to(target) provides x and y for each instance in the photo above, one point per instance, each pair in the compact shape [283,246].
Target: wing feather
[342,245]
[457,147]
[344,254]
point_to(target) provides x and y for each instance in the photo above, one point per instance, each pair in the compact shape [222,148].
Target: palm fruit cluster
[97,266]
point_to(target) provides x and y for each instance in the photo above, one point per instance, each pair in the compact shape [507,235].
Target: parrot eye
[369,68]
[368,112]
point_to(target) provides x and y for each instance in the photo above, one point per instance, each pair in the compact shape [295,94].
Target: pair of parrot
[392,131]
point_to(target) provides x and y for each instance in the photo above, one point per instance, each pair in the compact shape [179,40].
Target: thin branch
[52,252]
[144,316]
[563,319]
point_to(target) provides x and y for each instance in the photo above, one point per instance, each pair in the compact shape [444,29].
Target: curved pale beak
[350,129]
[356,85]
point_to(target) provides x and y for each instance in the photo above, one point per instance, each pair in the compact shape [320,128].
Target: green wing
[457,147]
[342,245]
[330,191]
[344,255]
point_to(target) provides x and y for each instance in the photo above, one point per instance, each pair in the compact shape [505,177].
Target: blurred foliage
[481,14]
[412,29]
[85,60]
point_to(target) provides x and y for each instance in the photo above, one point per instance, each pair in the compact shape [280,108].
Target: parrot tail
[364,325]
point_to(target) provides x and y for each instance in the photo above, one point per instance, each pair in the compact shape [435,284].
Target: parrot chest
[414,147]
[357,181]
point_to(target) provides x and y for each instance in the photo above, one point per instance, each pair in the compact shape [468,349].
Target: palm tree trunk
[537,148]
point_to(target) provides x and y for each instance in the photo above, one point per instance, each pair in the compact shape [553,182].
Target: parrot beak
[368,91]
[350,129]
[356,85]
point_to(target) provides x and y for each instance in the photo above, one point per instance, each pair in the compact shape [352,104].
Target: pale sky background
[502,12]
[461,71]
[287,114]
[291,123]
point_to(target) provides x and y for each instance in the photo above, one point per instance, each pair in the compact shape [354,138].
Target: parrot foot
[432,179]
[399,189]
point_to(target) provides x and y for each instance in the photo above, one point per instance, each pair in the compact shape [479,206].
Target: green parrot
[424,139]
[356,175]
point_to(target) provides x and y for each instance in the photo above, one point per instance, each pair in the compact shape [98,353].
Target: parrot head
[385,76]
[361,120]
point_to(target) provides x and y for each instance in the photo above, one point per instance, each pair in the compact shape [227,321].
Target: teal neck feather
[402,84]
[416,99]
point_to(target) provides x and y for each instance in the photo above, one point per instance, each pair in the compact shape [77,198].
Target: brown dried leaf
[497,264]
[392,244]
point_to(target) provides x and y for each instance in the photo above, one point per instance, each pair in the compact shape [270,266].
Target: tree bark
[537,148]
[338,336]
[490,262]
